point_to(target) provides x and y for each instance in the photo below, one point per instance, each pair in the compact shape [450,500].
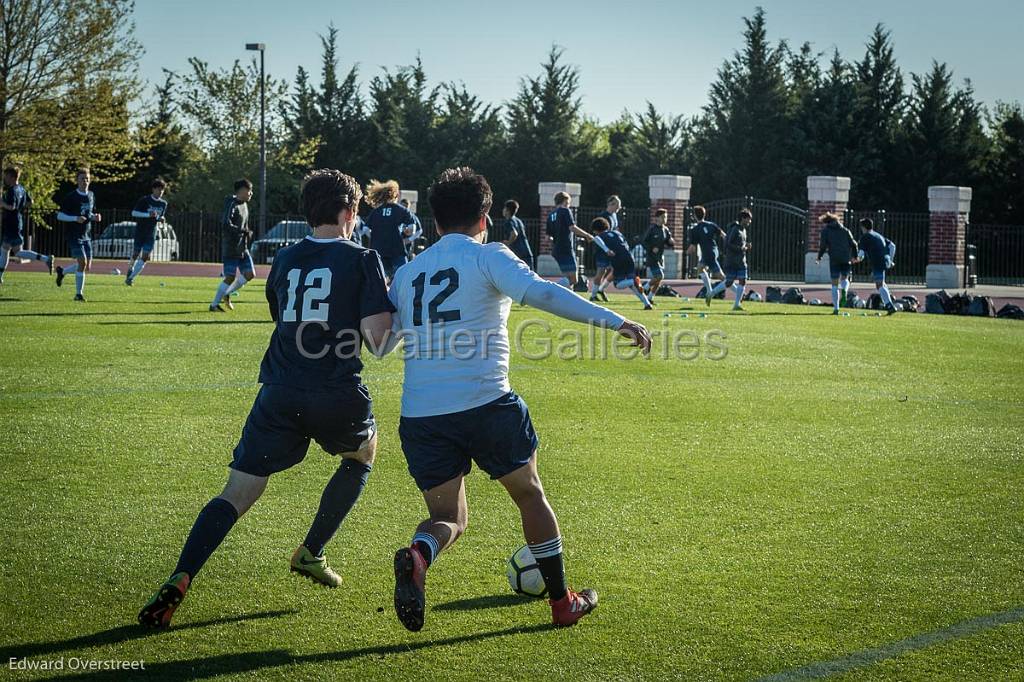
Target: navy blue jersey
[559,223]
[146,227]
[319,290]
[837,242]
[234,226]
[17,197]
[705,235]
[622,259]
[612,218]
[875,247]
[520,245]
[736,247]
[386,223]
[78,204]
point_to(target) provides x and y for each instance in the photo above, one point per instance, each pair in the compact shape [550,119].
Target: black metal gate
[909,231]
[777,235]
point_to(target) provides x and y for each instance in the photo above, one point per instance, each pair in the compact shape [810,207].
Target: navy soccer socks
[209,530]
[339,496]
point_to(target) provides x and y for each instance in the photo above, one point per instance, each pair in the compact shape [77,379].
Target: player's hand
[81,219]
[97,217]
[638,334]
[817,260]
[152,214]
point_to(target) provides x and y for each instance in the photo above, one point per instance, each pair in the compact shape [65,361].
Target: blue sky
[628,52]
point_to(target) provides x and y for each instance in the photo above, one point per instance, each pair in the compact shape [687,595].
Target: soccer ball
[754,296]
[815,301]
[115,271]
[861,303]
[524,575]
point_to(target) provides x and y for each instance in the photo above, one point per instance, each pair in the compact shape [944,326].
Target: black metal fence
[909,231]
[999,251]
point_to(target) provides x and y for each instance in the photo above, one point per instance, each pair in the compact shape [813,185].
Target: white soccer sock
[593,286]
[137,268]
[704,277]
[79,282]
[884,292]
[639,294]
[5,258]
[71,269]
[604,285]
[236,285]
[718,288]
[844,284]
[835,296]
[738,288]
[25,253]
[220,294]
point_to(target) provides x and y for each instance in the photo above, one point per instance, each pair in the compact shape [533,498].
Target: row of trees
[774,115]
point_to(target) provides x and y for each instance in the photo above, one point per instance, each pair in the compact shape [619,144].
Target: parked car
[279,236]
[118,241]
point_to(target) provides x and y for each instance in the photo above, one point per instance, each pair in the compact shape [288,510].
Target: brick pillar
[412,196]
[825,194]
[546,264]
[949,208]
[672,193]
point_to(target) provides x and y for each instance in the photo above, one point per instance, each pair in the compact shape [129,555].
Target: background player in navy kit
[326,295]
[14,203]
[563,230]
[389,224]
[417,231]
[78,213]
[841,248]
[623,266]
[603,275]
[879,251]
[513,234]
[458,407]
[234,245]
[148,211]
[657,238]
[705,234]
[736,248]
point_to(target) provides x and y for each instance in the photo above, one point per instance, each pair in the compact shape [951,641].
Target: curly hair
[380,192]
[459,198]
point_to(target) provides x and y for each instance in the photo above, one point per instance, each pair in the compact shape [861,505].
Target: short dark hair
[13,171]
[326,193]
[744,213]
[158,182]
[403,202]
[242,182]
[599,225]
[459,198]
[83,169]
[867,223]
[661,211]
[512,206]
[699,212]
[561,197]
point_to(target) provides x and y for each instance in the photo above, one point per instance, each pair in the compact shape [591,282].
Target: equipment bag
[793,296]
[773,295]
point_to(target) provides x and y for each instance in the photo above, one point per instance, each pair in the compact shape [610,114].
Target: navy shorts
[284,419]
[711,263]
[392,263]
[601,259]
[838,270]
[80,249]
[11,241]
[566,263]
[656,271]
[878,275]
[498,436]
[235,263]
[145,242]
[736,273]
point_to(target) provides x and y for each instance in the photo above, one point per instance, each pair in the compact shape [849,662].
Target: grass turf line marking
[866,657]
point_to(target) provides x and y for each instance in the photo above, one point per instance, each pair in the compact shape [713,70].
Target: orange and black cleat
[573,606]
[158,610]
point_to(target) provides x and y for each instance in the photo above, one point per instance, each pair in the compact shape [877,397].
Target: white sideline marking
[866,657]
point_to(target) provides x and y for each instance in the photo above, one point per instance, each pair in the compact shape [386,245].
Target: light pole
[262,227]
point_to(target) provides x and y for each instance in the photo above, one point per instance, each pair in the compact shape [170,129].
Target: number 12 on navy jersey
[318,288]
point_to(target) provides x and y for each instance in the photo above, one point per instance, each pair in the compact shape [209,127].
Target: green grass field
[835,497]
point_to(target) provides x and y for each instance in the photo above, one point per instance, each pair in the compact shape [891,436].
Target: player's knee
[145,258]
[743,282]
[366,452]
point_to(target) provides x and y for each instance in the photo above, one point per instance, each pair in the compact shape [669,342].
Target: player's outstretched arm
[582,233]
[557,300]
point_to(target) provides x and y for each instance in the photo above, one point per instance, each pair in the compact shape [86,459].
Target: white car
[283,234]
[118,241]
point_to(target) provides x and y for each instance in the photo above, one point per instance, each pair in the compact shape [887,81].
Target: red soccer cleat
[158,610]
[410,590]
[573,606]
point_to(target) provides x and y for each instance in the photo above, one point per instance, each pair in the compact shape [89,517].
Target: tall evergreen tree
[1000,197]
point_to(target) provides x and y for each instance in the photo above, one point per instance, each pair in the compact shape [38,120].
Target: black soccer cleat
[890,309]
[216,309]
[603,297]
[60,275]
[410,590]
[79,297]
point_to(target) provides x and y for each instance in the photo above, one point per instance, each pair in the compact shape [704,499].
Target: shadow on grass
[94,313]
[123,633]
[252,661]
[489,602]
[219,320]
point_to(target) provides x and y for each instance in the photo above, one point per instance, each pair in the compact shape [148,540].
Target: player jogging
[603,275]
[458,407]
[623,266]
[326,295]
[704,235]
[389,223]
[417,231]
[14,203]
[78,213]
[563,230]
[513,234]
[657,238]
[880,252]
[234,245]
[841,248]
[736,248]
[148,211]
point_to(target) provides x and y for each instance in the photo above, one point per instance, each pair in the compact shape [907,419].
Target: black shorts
[284,419]
[498,436]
